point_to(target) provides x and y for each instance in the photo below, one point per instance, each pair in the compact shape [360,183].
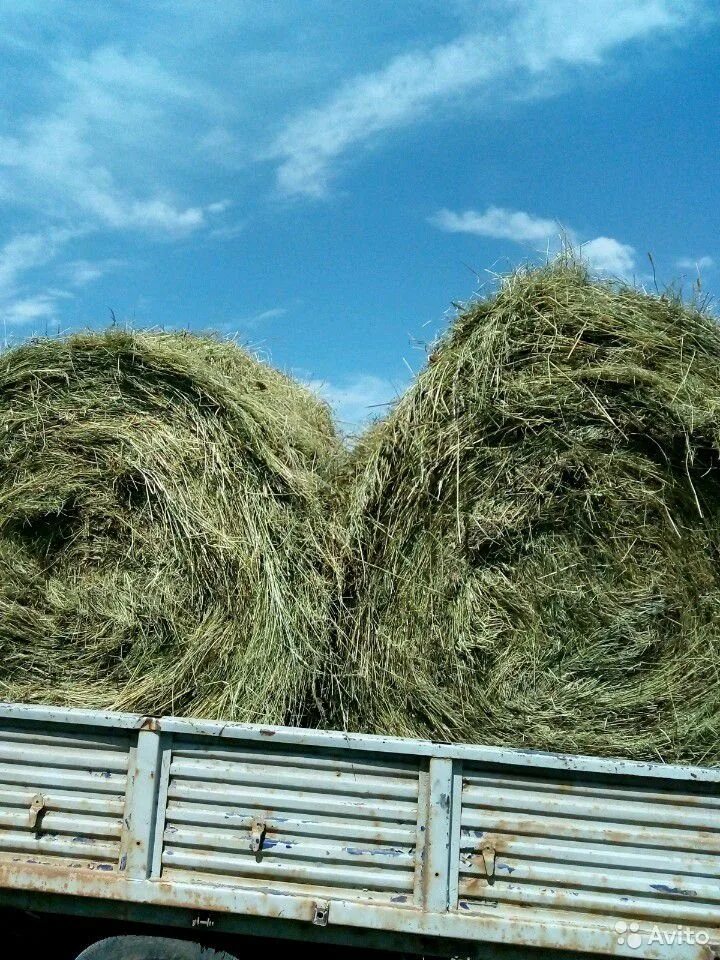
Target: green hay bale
[164,540]
[534,531]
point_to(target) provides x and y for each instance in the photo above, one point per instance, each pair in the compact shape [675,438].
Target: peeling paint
[667,888]
[384,852]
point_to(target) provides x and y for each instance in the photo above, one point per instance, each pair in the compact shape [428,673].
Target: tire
[150,948]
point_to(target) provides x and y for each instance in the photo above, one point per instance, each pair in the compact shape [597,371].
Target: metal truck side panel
[472,844]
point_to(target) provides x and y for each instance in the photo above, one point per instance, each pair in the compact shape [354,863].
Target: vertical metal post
[141,806]
[436,873]
[455,833]
[166,754]
[423,809]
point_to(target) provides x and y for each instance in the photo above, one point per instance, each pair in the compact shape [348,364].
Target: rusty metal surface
[604,846]
[421,840]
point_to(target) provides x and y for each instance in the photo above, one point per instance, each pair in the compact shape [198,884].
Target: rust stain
[477,887]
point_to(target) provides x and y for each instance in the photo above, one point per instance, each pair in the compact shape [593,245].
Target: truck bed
[334,833]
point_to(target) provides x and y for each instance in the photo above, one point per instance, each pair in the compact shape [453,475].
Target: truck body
[395,843]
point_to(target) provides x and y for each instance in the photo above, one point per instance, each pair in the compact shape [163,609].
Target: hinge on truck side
[488,857]
[37,809]
[257,835]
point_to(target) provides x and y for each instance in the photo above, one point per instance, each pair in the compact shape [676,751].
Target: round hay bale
[534,531]
[164,539]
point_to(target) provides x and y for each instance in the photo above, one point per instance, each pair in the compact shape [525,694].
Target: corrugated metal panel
[476,844]
[342,823]
[341,741]
[591,845]
[62,795]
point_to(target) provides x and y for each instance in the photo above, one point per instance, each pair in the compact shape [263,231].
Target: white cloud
[242,325]
[78,159]
[542,39]
[602,254]
[606,255]
[367,105]
[496,222]
[356,399]
[79,273]
[42,306]
[230,231]
[109,79]
[19,256]
[256,319]
[124,213]
[25,252]
[74,163]
[220,206]
[690,263]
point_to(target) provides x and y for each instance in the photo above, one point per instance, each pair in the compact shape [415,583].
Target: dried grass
[165,544]
[534,532]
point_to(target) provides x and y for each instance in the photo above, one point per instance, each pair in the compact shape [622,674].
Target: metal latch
[321,913]
[37,808]
[257,835]
[488,857]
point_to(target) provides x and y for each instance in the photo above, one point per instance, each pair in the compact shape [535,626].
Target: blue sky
[322,178]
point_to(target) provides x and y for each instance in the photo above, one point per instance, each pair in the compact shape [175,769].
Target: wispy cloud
[498,223]
[237,326]
[79,273]
[77,158]
[257,319]
[542,39]
[691,263]
[602,254]
[27,251]
[356,399]
[20,301]
[41,306]
[230,231]
[87,160]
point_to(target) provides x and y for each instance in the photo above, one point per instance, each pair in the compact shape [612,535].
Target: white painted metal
[343,823]
[455,833]
[591,845]
[419,839]
[436,879]
[141,813]
[62,795]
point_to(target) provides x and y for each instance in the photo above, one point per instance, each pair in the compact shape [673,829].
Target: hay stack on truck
[166,553]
